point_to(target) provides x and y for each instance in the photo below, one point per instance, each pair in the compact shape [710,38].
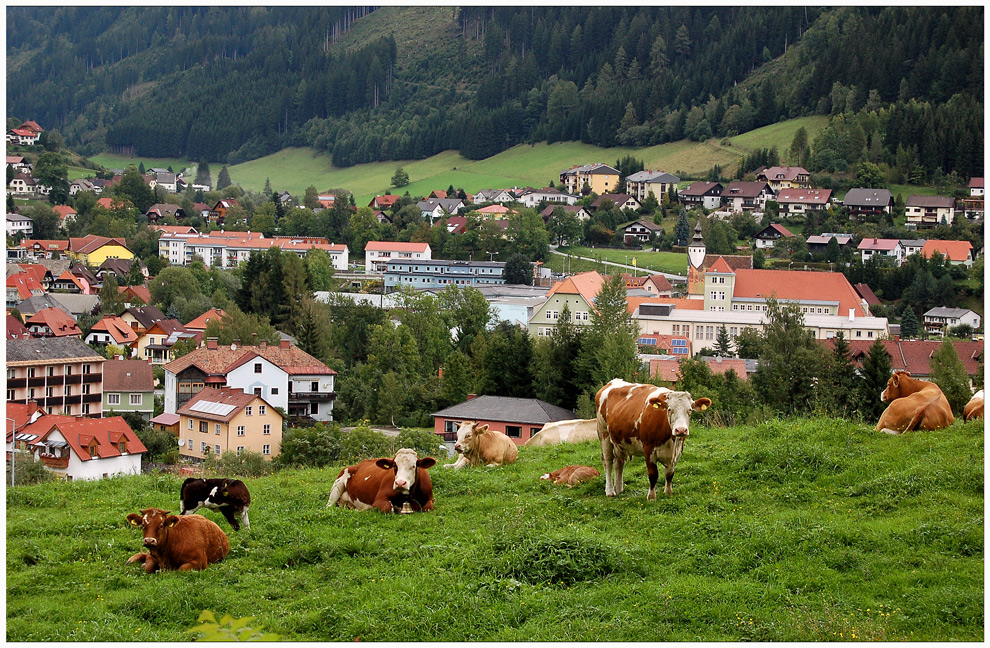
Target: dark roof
[32,305]
[145,315]
[128,376]
[41,349]
[505,408]
[866,293]
[868,197]
[699,188]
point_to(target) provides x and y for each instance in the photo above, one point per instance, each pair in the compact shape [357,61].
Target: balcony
[55,462]
[92,398]
[311,396]
[92,378]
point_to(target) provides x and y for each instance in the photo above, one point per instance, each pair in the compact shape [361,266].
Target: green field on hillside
[790,530]
[646,260]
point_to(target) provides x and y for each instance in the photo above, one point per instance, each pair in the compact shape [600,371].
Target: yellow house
[217,420]
[93,250]
[577,292]
[601,178]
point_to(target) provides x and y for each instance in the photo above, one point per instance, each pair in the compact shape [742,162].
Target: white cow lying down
[479,446]
[569,431]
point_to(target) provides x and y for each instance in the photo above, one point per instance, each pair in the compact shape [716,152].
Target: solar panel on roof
[208,407]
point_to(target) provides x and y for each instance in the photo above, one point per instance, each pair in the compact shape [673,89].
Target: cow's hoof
[651,496]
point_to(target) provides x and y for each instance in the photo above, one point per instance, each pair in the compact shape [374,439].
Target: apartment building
[215,421]
[62,375]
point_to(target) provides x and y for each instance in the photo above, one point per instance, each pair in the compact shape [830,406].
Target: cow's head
[679,405]
[468,434]
[218,493]
[405,464]
[893,389]
[156,523]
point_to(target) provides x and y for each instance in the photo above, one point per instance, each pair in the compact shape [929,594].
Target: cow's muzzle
[681,432]
[457,448]
[150,542]
[401,486]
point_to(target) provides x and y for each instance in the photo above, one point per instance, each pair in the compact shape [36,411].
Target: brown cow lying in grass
[974,408]
[914,405]
[174,542]
[479,446]
[571,476]
[399,485]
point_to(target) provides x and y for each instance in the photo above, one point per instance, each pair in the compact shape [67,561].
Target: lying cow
[479,446]
[571,476]
[399,485]
[914,405]
[569,431]
[634,418]
[974,408]
[175,542]
[229,496]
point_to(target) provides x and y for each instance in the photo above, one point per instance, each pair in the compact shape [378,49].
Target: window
[49,392]
[267,429]
[85,408]
[49,371]
[203,426]
[10,395]
[31,393]
[262,410]
[859,334]
[274,391]
[699,332]
[257,391]
[190,424]
[112,399]
[240,430]
[216,449]
[216,428]
[240,449]
[10,374]
[31,372]
[513,431]
[86,368]
[247,411]
[266,449]
[257,367]
[122,446]
[135,399]
[314,386]
[203,447]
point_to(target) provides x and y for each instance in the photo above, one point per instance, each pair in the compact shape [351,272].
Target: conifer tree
[948,372]
[723,343]
[876,370]
[682,231]
[909,323]
[223,180]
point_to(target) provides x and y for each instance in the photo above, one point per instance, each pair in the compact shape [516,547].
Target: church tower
[696,249]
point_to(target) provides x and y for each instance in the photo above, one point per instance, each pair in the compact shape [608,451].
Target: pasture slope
[791,530]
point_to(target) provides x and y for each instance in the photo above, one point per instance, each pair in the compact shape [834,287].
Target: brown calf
[399,485]
[174,542]
[571,476]
[974,408]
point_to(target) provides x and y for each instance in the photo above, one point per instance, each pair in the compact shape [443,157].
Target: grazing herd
[630,419]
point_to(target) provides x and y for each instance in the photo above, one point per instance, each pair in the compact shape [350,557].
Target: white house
[533,197]
[83,448]
[939,319]
[887,248]
[377,254]
[18,224]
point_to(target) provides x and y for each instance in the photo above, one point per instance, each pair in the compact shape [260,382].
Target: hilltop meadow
[789,530]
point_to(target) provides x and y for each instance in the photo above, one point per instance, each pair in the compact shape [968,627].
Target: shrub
[247,464]
[561,560]
[424,442]
[314,447]
[364,443]
[27,471]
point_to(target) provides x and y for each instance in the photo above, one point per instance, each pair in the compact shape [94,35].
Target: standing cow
[974,408]
[634,418]
[229,496]
[569,431]
[479,446]
[914,405]
[399,485]
[175,542]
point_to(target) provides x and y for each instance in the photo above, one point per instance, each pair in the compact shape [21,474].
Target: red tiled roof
[799,284]
[25,283]
[954,250]
[720,265]
[118,329]
[92,242]
[915,355]
[805,196]
[63,211]
[866,293]
[665,369]
[200,322]
[223,359]
[224,396]
[877,244]
[80,432]
[21,414]
[57,321]
[586,284]
[393,246]
[36,270]
[15,329]
[43,244]
[976,183]
[141,292]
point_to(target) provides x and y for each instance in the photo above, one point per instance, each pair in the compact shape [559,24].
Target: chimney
[211,343]
[237,342]
[471,396]
[283,344]
[254,339]
[852,314]
[263,344]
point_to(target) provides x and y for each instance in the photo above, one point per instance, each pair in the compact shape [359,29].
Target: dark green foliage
[563,559]
[723,343]
[950,375]
[223,179]
[506,366]
[682,231]
[791,362]
[160,444]
[400,178]
[909,324]
[518,270]
[875,370]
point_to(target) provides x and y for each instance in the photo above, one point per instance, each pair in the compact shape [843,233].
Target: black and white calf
[229,496]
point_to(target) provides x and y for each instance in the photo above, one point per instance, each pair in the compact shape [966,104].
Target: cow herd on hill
[631,419]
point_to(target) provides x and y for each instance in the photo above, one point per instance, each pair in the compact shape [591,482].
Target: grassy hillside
[537,165]
[792,530]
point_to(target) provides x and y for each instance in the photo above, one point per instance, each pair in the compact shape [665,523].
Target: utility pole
[13,449]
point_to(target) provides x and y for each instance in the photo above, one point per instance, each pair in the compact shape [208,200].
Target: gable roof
[200,322]
[864,291]
[128,376]
[586,284]
[26,284]
[721,266]
[799,285]
[92,242]
[117,328]
[145,315]
[73,279]
[395,246]
[805,196]
[38,350]
[953,250]
[234,399]
[774,227]
[823,239]
[781,172]
[935,202]
[531,411]
[58,322]
[858,197]
[616,199]
[32,305]
[63,211]
[915,355]
[223,359]
[141,292]
[15,329]
[81,434]
[878,244]
[669,369]
[740,189]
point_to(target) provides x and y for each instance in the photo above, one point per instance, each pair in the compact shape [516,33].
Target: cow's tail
[338,488]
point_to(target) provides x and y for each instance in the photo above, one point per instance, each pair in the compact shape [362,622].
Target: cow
[569,431]
[974,408]
[571,476]
[479,446]
[399,485]
[635,418]
[914,405]
[229,496]
[178,542]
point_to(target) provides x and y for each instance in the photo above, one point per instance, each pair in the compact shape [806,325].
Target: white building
[939,319]
[18,224]
[377,254]
[227,249]
[82,448]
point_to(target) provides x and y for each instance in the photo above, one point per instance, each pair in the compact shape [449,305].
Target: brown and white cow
[479,446]
[974,408]
[569,431]
[399,485]
[229,496]
[571,476]
[914,405]
[178,542]
[635,418]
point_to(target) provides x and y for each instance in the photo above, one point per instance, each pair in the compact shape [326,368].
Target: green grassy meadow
[671,262]
[791,530]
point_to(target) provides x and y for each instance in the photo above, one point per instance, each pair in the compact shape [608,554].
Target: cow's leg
[228,513]
[607,458]
[620,463]
[138,557]
[244,518]
[338,488]
[457,465]
[653,474]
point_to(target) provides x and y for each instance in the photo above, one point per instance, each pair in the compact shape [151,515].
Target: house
[377,254]
[972,205]
[159,211]
[60,374]
[640,230]
[551,195]
[77,305]
[741,196]
[15,162]
[494,211]
[155,344]
[699,261]
[33,126]
[87,278]
[786,177]
[128,386]
[438,193]
[437,208]
[119,268]
[818,243]
[868,202]
[166,180]
[866,293]
[140,318]
[930,211]
[494,196]
[915,355]
[649,182]
[938,320]
[383,202]
[801,201]
[219,211]
[167,423]
[66,214]
[767,237]
[53,322]
[18,225]
[199,324]
[15,328]
[655,284]
[22,136]
[45,249]
[284,375]
[23,184]
[94,250]
[22,285]
[68,282]
[580,212]
[912,246]
[32,305]
[436,273]
[622,201]
[218,420]
[82,184]
[77,448]
[518,418]
[886,248]
[599,178]
[111,329]
[134,294]
[957,252]
[577,292]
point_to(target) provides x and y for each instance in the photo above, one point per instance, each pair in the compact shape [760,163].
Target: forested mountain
[234,83]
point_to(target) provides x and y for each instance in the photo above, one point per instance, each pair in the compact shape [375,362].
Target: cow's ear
[702,404]
[481,429]
[659,401]
[171,520]
[134,519]
[426,462]
[385,464]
